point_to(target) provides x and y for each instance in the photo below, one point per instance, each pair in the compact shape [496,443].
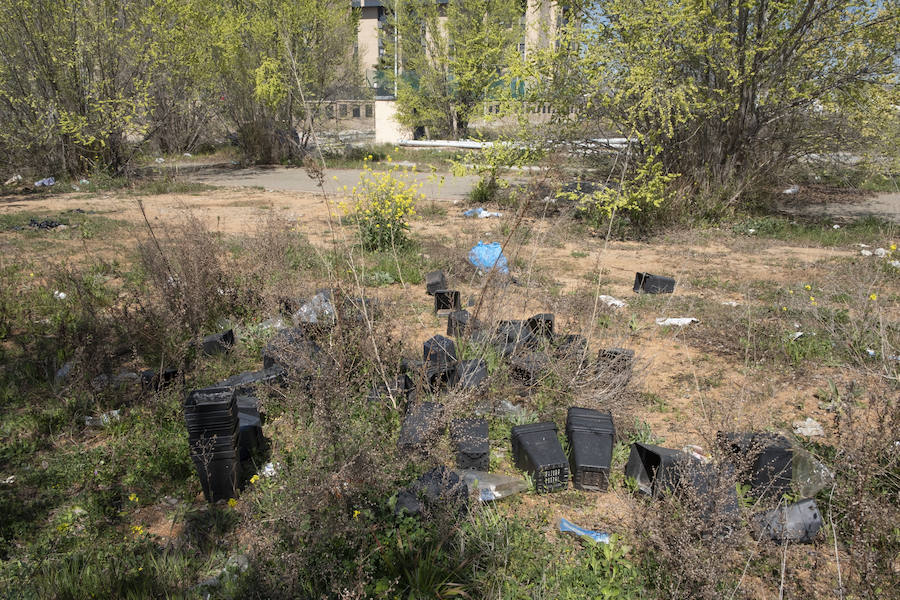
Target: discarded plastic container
[536,450]
[492,486]
[529,368]
[250,436]
[439,350]
[470,437]
[446,301]
[458,321]
[570,346]
[653,467]
[439,486]
[292,350]
[247,381]
[591,436]
[212,422]
[434,281]
[218,476]
[796,523]
[402,390]
[420,423]
[470,373]
[541,325]
[440,376]
[616,360]
[653,284]
[771,455]
[808,475]
[217,343]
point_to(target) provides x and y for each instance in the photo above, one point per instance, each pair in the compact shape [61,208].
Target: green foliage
[383,204]
[451,59]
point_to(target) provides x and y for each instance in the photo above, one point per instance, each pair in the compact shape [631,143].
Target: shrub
[382,206]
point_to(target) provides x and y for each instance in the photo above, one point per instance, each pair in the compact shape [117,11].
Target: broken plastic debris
[268,470]
[611,302]
[866,252]
[59,295]
[676,321]
[696,452]
[880,252]
[492,486]
[751,231]
[47,182]
[895,264]
[797,335]
[792,190]
[10,480]
[84,182]
[160,161]
[14,179]
[835,226]
[808,475]
[729,303]
[597,536]
[481,213]
[808,427]
[318,310]
[103,420]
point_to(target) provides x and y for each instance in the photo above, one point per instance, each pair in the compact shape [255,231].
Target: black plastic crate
[470,437]
[653,284]
[536,450]
[471,373]
[439,351]
[460,323]
[770,457]
[541,325]
[616,360]
[217,343]
[218,478]
[654,468]
[446,301]
[421,423]
[434,281]
[530,367]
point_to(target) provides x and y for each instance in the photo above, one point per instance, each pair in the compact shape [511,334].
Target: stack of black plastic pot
[212,421]
[591,435]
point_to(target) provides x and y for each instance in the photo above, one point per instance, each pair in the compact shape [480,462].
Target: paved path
[440,185]
[885,205]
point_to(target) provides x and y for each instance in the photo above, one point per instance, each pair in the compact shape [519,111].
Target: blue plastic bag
[488,256]
[598,536]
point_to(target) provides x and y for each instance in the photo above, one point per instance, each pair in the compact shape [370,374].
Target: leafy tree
[452,57]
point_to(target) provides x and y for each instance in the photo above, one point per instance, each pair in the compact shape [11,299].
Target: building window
[342,111]
[329,112]
[356,111]
[368,111]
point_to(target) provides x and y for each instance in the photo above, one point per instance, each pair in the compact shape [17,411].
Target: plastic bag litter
[318,310]
[481,213]
[808,475]
[808,427]
[880,252]
[492,486]
[14,179]
[268,470]
[488,256]
[895,264]
[597,536]
[49,181]
[103,420]
[611,302]
[676,321]
[866,252]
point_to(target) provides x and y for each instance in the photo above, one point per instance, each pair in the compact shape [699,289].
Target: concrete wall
[387,129]
[367,42]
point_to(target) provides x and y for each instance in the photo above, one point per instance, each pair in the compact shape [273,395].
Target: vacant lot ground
[793,323]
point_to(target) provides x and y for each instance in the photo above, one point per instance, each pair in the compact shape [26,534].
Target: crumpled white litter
[611,302]
[792,190]
[676,321]
[729,303]
[268,470]
[59,295]
[881,252]
[866,252]
[808,427]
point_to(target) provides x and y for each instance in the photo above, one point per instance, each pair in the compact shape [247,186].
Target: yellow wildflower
[873,296]
[232,502]
[355,514]
[254,479]
[133,497]
[807,287]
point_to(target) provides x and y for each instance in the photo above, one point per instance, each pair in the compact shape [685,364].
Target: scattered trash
[492,486]
[507,409]
[808,475]
[488,256]
[591,434]
[771,456]
[64,371]
[797,335]
[653,284]
[536,450]
[751,231]
[45,224]
[794,189]
[895,264]
[446,301]
[47,182]
[318,311]
[275,323]
[797,523]
[470,373]
[676,321]
[419,425]
[880,252]
[12,478]
[211,416]
[268,470]
[59,295]
[104,419]
[160,161]
[75,188]
[480,213]
[835,226]
[434,281]
[84,182]
[597,536]
[187,155]
[862,245]
[866,252]
[653,467]
[696,452]
[611,302]
[808,427]
[13,180]
[731,303]
[874,354]
[217,343]
[440,485]
[470,438]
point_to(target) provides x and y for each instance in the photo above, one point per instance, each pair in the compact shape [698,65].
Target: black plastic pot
[402,389]
[797,523]
[419,425]
[440,376]
[654,468]
[218,477]
[529,367]
[515,333]
[434,281]
[460,322]
[591,436]
[764,459]
[470,437]
[616,360]
[217,343]
[537,451]
[150,380]
[653,284]
[569,346]
[446,301]
[541,325]
[292,350]
[439,486]
[250,434]
[470,373]
[439,351]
